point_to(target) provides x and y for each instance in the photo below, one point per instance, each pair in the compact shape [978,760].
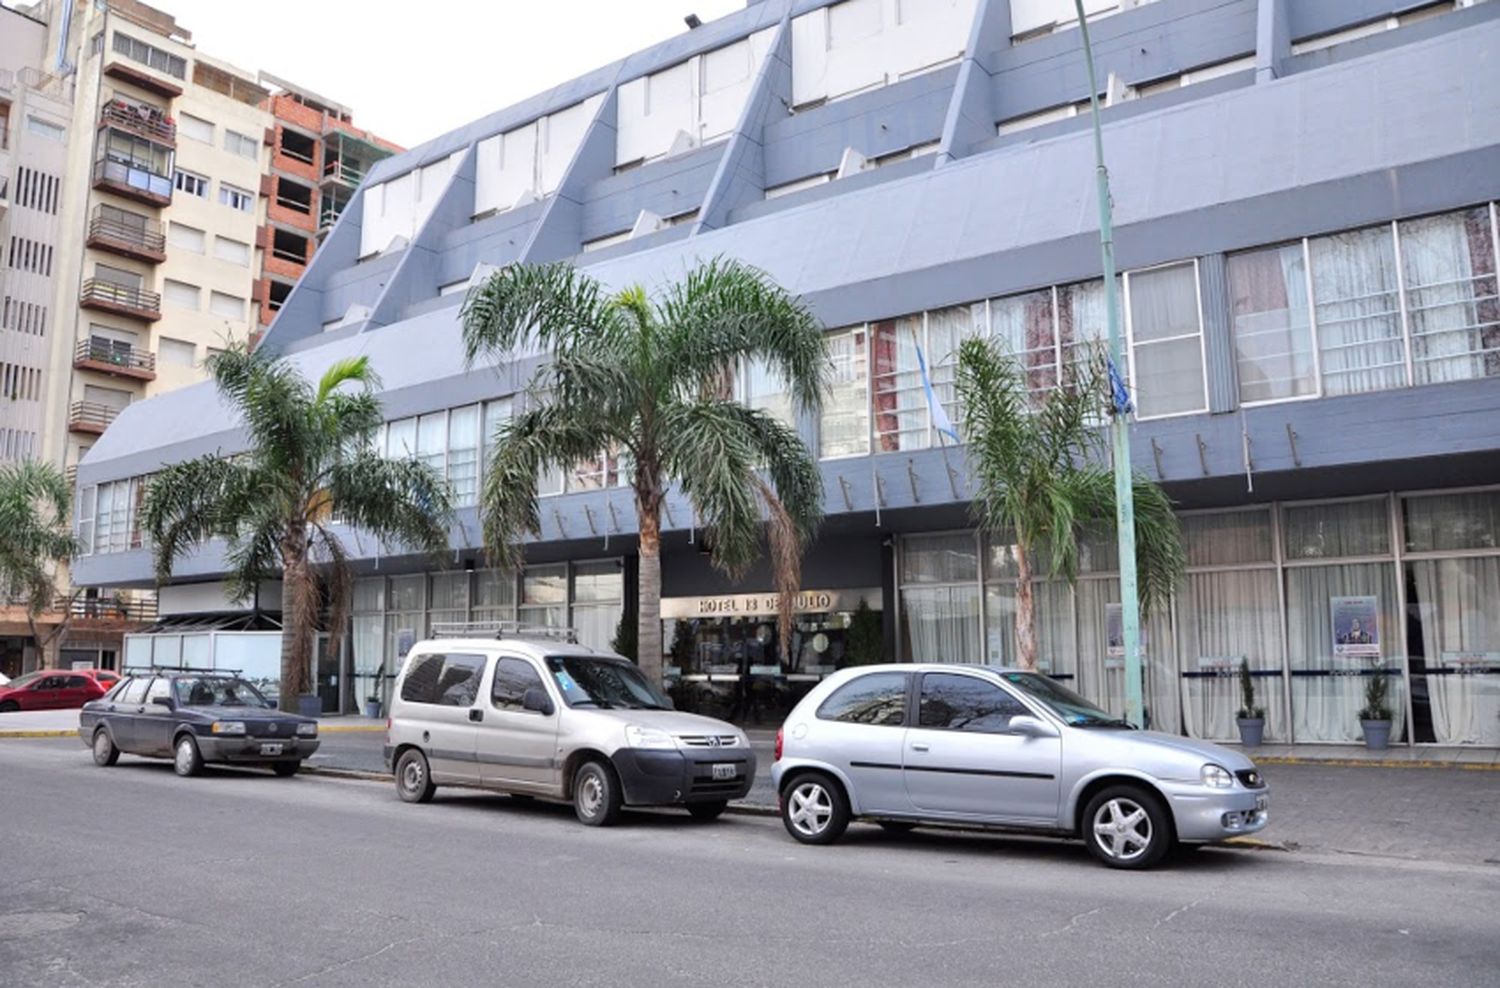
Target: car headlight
[740,741]
[229,727]
[307,730]
[646,737]
[1216,776]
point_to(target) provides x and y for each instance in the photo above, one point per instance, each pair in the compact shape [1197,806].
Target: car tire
[814,809]
[187,760]
[9,707]
[286,769]
[1127,827]
[897,826]
[413,777]
[596,795]
[707,811]
[105,752]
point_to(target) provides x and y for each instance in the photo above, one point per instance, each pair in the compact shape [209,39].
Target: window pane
[495,596]
[965,703]
[1164,303]
[513,677]
[432,439]
[900,401]
[765,391]
[946,330]
[939,558]
[1357,311]
[1453,521]
[599,581]
[1457,609]
[401,439]
[463,454]
[1082,322]
[459,684]
[545,585]
[877,698]
[1165,331]
[941,624]
[1024,326]
[845,425]
[1271,324]
[1451,298]
[1223,617]
[1330,531]
[1228,538]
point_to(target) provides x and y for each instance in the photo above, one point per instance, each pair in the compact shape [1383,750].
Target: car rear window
[445,680]
[876,698]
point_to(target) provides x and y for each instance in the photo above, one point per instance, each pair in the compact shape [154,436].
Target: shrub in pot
[1375,718]
[1250,718]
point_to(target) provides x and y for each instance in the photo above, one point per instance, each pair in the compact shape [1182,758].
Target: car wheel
[707,811]
[596,795]
[897,826]
[285,769]
[1126,827]
[413,779]
[187,760]
[105,752]
[814,810]
[9,707]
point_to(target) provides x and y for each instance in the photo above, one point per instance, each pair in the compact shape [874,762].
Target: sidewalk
[64,724]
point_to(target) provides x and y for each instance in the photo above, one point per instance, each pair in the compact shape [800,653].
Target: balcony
[106,296]
[117,610]
[140,119]
[133,181]
[140,78]
[90,418]
[346,174]
[143,241]
[114,359]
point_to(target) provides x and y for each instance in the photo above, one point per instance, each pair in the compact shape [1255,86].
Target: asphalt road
[132,876]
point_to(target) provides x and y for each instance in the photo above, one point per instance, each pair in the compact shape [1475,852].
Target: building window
[544,595]
[178,352]
[432,440]
[233,251]
[150,55]
[1452,302]
[1024,327]
[195,127]
[762,388]
[116,516]
[1166,334]
[236,197]
[902,414]
[46,128]
[241,144]
[1272,324]
[181,294]
[463,455]
[845,429]
[226,305]
[940,598]
[598,598]
[1357,308]
[191,183]
[185,237]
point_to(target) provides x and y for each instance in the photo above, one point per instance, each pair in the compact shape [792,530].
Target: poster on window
[1356,626]
[1114,637]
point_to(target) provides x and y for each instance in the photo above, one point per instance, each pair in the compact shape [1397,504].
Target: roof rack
[502,629]
[147,670]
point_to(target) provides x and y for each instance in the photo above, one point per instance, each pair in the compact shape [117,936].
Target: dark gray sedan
[194,718]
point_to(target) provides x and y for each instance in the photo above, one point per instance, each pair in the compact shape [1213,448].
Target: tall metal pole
[1130,609]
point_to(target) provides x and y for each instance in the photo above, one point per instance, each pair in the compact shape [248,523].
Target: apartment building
[1306,229]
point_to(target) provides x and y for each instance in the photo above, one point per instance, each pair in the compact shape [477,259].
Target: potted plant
[1375,718]
[1250,718]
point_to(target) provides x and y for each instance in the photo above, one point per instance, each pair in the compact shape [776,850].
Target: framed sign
[405,639]
[1355,626]
[1114,636]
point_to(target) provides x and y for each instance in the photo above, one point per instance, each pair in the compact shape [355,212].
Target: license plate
[270,749]
[722,772]
[1260,803]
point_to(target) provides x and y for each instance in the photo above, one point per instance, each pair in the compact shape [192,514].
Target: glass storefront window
[1445,522]
[1327,531]
[495,595]
[598,599]
[449,600]
[1272,324]
[845,426]
[940,598]
[544,596]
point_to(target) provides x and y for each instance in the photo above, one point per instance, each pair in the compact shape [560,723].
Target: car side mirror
[1030,727]
[537,699]
[162,701]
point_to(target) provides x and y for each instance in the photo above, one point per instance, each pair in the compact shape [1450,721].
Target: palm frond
[713,457]
[350,369]
[554,304]
[36,537]
[402,502]
[190,502]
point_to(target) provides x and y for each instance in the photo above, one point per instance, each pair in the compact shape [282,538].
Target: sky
[413,70]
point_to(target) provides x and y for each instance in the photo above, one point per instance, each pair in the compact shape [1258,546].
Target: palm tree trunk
[297,617]
[648,613]
[1025,610]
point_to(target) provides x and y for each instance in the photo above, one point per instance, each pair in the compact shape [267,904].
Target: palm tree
[1036,466]
[37,538]
[648,378]
[309,461]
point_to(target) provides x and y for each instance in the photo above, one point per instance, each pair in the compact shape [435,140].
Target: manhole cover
[35,924]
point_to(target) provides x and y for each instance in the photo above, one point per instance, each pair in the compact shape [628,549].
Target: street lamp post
[1130,609]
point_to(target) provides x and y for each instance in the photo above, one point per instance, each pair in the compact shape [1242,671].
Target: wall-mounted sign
[1114,633]
[766,604]
[1356,626]
[405,639]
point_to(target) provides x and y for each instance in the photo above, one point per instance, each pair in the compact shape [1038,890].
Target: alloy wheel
[811,808]
[1122,829]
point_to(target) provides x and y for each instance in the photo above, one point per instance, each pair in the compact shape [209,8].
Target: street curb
[4,735]
[1374,763]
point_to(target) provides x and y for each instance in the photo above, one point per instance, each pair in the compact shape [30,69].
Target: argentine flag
[940,420]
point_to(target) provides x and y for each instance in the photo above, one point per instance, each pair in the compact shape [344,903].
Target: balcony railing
[133,181]
[296,205]
[143,240]
[110,357]
[139,118]
[136,610]
[90,416]
[138,302]
[348,174]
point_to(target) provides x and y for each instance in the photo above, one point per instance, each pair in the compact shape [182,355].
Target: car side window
[513,677]
[135,692]
[48,683]
[160,686]
[77,682]
[965,703]
[446,680]
[877,698]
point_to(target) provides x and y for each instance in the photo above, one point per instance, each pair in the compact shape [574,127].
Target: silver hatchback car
[908,744]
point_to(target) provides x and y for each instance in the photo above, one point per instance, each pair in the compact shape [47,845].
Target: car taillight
[778,744]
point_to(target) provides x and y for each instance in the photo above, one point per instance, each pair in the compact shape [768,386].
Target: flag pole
[1130,607]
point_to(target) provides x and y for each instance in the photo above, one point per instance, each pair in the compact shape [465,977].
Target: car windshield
[25,680]
[1071,707]
[216,691]
[605,683]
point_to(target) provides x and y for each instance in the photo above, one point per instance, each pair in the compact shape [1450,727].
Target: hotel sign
[766,604]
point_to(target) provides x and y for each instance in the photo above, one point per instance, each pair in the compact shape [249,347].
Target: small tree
[35,538]
[1036,466]
[1248,710]
[864,641]
[1377,691]
[682,643]
[624,642]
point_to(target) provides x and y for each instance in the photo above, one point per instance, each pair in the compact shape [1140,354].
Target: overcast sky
[413,70]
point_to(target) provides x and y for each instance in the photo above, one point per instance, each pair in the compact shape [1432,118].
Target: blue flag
[940,420]
[1119,394]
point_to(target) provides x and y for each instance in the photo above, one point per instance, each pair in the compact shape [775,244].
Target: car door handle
[476,715]
[918,747]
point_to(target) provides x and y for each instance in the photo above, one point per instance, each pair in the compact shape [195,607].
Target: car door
[124,710]
[76,690]
[518,747]
[44,694]
[443,692]
[961,758]
[860,730]
[153,722]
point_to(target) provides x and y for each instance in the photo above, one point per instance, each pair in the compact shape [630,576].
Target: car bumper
[232,749]
[662,778]
[1204,814]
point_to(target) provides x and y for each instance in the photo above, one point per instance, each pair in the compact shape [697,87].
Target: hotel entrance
[724,652]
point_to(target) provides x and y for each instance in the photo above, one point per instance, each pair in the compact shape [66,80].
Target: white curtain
[1458,601]
[1056,654]
[1328,693]
[1449,264]
[450,599]
[1023,325]
[1358,311]
[1102,680]
[1273,345]
[1230,613]
[941,623]
[1166,336]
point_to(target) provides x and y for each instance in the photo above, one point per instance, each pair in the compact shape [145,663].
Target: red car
[55,689]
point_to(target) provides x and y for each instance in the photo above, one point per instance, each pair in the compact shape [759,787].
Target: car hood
[1191,747]
[248,713]
[670,721]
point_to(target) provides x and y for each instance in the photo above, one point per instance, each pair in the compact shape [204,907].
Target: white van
[531,712]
